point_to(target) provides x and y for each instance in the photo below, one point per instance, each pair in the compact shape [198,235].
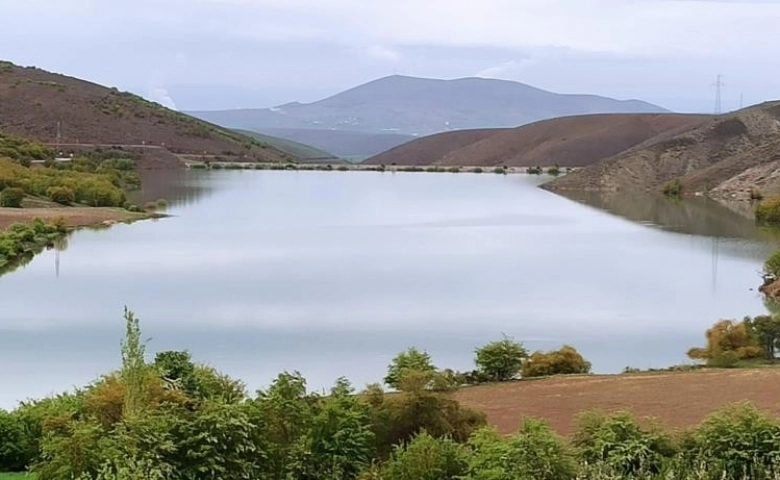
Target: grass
[16,476]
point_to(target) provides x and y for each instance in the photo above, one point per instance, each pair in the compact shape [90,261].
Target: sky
[218,54]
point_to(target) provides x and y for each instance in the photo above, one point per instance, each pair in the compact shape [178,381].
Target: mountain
[340,142]
[422,106]
[735,155]
[567,141]
[78,115]
[291,147]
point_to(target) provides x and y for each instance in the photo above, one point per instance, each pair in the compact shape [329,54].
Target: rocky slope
[734,156]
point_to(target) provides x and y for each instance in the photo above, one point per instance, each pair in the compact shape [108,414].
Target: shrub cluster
[21,241]
[768,211]
[94,189]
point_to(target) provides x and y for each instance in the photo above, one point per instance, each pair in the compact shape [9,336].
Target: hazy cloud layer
[230,53]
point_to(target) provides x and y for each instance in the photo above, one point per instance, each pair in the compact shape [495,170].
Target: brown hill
[568,142]
[429,150]
[33,102]
[730,156]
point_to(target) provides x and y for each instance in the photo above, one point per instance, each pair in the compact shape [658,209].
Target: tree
[501,360]
[134,369]
[727,342]
[410,360]
[427,458]
[61,195]
[767,329]
[177,370]
[566,361]
[11,197]
[772,268]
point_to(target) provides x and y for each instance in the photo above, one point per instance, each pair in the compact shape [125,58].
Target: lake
[332,273]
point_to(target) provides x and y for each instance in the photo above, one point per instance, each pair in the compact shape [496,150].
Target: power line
[718,94]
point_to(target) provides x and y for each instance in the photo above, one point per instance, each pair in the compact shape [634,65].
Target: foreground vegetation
[20,242]
[172,418]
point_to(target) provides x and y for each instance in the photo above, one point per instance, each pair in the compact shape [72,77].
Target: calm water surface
[332,273]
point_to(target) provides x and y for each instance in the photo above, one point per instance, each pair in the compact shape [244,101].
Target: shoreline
[74,217]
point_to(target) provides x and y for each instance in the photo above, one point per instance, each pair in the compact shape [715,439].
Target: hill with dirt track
[57,109]
[567,142]
[729,156]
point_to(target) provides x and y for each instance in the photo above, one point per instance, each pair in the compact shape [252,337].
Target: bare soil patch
[677,400]
[73,216]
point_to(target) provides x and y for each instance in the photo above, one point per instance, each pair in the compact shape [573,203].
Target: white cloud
[161,96]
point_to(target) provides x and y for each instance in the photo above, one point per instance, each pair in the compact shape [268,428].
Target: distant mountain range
[411,106]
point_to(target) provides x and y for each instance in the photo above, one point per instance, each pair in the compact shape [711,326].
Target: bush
[11,197]
[534,170]
[477,170]
[427,458]
[501,360]
[342,168]
[454,169]
[554,171]
[673,189]
[772,268]
[500,170]
[618,441]
[768,211]
[566,361]
[13,456]
[728,341]
[61,195]
[410,360]
[535,452]
[740,439]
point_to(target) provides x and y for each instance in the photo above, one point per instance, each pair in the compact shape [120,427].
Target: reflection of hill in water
[178,187]
[697,216]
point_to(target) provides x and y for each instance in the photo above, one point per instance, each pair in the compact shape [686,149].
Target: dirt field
[675,399]
[74,216]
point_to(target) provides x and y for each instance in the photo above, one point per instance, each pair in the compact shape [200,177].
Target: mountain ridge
[420,106]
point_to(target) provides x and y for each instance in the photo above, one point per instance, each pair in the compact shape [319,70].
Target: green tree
[13,455]
[501,360]
[772,268]
[134,371]
[535,452]
[427,458]
[340,443]
[410,360]
[177,370]
[766,329]
[618,441]
[11,197]
[61,195]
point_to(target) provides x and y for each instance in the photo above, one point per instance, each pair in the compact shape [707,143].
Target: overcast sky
[209,54]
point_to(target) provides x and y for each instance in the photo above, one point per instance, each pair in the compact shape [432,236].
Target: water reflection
[180,188]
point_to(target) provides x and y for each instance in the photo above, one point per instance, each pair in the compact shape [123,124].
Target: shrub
[61,195]
[500,170]
[739,438]
[454,169]
[161,203]
[673,189]
[620,442]
[534,170]
[342,168]
[427,458]
[772,268]
[410,360]
[768,211]
[477,170]
[565,361]
[727,342]
[535,452]
[11,197]
[13,456]
[501,360]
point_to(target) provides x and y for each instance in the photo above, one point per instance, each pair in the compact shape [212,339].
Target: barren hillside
[36,104]
[730,155]
[568,141]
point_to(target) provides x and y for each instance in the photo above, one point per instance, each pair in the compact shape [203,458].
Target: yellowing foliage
[728,339]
